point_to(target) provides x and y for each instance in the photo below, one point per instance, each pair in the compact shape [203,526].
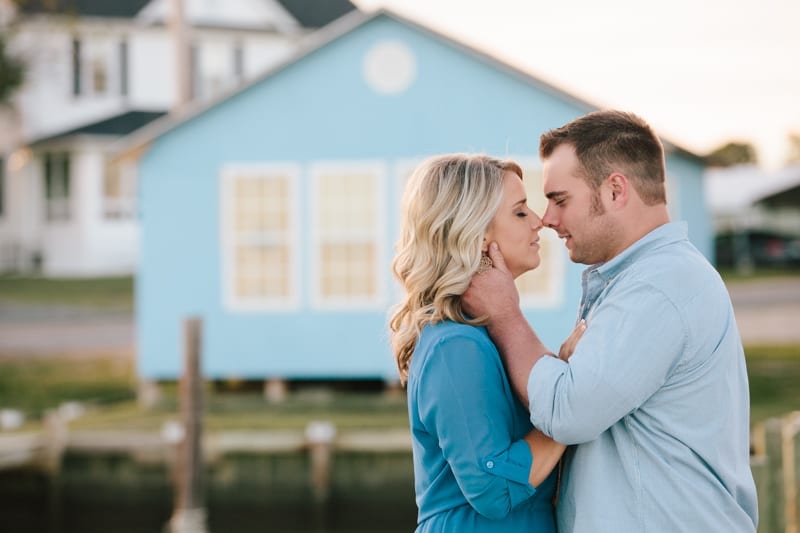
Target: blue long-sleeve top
[471,465]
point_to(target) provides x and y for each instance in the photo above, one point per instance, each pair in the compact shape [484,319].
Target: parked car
[757,248]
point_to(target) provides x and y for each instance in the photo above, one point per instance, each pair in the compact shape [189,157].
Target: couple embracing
[641,422]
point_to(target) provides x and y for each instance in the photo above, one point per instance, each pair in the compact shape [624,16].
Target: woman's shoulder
[441,331]
[448,337]
[450,351]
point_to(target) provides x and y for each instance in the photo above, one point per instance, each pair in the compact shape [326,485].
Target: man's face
[576,211]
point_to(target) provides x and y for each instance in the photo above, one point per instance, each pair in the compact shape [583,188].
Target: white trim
[554,294]
[378,169]
[673,190]
[555,262]
[228,174]
[402,170]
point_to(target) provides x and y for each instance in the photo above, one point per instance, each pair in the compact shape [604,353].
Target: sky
[702,72]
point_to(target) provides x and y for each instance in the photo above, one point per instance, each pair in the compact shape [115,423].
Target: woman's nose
[536,222]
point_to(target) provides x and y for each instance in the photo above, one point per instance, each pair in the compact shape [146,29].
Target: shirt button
[489,464]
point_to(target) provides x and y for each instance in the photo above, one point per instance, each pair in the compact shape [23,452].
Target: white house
[98,70]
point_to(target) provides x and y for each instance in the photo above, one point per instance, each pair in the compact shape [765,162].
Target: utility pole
[183,74]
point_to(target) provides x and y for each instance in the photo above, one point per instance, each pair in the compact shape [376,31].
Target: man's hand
[572,341]
[492,292]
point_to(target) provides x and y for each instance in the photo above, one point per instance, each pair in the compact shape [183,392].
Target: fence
[776,469]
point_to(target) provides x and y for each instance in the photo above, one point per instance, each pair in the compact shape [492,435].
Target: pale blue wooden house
[272,213]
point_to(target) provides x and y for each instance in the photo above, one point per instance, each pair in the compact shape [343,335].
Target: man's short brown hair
[613,141]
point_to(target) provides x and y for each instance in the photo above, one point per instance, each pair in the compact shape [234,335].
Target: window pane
[537,281]
[57,186]
[261,230]
[348,270]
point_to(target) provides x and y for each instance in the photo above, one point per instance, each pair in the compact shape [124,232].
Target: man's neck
[642,223]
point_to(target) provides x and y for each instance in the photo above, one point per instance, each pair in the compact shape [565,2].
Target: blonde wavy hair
[448,204]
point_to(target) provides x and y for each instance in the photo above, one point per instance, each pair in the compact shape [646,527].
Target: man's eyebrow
[555,194]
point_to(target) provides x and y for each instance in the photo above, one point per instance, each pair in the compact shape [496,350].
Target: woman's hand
[572,341]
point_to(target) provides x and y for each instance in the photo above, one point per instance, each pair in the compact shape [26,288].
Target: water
[368,493]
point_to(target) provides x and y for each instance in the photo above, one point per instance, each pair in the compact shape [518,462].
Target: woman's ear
[485,245]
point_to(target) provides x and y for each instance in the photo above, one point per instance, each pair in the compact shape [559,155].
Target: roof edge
[333,31]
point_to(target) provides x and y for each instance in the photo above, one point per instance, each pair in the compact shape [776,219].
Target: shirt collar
[662,235]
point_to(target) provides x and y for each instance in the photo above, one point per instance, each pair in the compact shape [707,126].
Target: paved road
[767,311]
[43,331]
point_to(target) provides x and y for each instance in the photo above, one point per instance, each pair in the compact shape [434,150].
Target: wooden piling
[760,469]
[776,503]
[320,436]
[791,454]
[189,515]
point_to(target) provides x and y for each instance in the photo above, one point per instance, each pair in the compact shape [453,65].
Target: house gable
[333,106]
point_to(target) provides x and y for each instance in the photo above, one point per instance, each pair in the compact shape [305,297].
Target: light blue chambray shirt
[655,396]
[471,465]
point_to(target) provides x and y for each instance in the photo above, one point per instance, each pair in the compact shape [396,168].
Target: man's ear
[619,188]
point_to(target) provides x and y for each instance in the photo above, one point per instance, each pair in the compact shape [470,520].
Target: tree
[12,72]
[732,153]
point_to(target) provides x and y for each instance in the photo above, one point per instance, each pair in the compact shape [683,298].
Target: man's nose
[548,219]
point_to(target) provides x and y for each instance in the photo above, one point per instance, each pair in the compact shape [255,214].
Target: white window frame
[673,190]
[228,176]
[402,170]
[122,207]
[379,170]
[556,261]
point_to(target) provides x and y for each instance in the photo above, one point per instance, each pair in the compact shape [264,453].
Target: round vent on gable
[389,67]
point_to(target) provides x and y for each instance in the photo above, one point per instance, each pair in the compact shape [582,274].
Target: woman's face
[515,228]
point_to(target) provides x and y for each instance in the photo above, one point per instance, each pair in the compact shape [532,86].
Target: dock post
[189,515]
[320,436]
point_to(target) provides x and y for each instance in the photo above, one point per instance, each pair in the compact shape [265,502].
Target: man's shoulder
[677,270]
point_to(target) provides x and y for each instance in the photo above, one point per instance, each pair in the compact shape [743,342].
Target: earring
[485,264]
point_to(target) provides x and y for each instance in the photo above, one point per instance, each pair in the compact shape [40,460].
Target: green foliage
[774,373]
[102,293]
[12,72]
[732,153]
[35,385]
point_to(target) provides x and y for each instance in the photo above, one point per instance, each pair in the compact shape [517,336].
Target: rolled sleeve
[464,400]
[632,343]
[513,465]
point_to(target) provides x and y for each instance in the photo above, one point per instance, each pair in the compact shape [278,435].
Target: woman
[473,444]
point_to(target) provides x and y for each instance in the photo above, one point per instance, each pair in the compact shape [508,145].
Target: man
[655,395]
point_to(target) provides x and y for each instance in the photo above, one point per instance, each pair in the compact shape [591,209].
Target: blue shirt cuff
[541,391]
[513,465]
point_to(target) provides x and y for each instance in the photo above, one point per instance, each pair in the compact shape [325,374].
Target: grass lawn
[34,385]
[101,293]
[38,384]
[774,373]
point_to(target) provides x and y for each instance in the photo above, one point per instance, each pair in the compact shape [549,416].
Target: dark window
[123,67]
[238,62]
[195,89]
[57,186]
[76,66]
